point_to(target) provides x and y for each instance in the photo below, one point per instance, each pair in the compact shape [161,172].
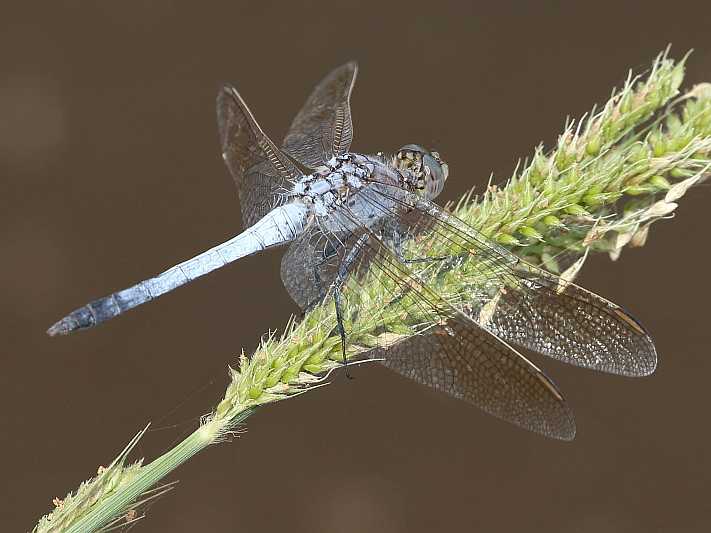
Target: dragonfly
[411,284]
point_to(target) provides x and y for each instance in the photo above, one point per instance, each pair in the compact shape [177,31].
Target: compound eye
[413,148]
[437,170]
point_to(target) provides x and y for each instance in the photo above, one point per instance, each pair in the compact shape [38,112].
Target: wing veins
[426,300]
[627,351]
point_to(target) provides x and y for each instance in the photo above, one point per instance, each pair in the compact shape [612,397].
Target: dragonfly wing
[306,269]
[473,364]
[310,264]
[571,324]
[297,274]
[521,303]
[323,128]
[260,170]
[425,339]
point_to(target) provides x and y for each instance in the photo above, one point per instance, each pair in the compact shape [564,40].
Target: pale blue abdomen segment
[280,226]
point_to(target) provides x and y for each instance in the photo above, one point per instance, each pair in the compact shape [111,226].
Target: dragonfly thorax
[335,183]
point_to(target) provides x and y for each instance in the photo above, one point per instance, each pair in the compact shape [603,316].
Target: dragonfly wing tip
[648,365]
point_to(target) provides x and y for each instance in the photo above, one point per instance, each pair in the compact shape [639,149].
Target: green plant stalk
[608,179]
[118,502]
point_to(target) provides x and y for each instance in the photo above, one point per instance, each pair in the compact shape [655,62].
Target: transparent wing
[323,128]
[309,266]
[305,283]
[425,339]
[296,276]
[474,365]
[260,170]
[520,303]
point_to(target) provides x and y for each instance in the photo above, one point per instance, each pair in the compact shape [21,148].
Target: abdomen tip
[63,327]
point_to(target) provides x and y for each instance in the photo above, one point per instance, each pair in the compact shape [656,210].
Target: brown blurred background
[110,172]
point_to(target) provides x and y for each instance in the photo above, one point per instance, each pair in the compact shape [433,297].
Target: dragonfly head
[426,168]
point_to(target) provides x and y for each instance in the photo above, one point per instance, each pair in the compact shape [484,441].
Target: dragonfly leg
[425,259]
[396,242]
[343,271]
[327,255]
[341,329]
